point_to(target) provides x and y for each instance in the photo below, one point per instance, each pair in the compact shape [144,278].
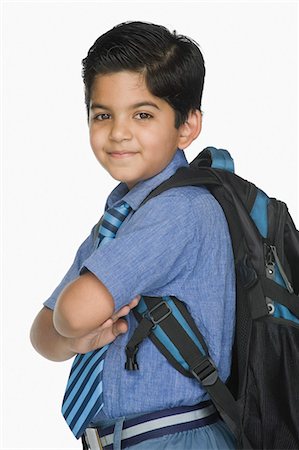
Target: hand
[105,333]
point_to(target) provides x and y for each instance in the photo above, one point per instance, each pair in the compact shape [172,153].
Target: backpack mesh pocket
[271,413]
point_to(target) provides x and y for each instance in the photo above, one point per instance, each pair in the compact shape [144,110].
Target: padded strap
[186,176]
[172,330]
[199,364]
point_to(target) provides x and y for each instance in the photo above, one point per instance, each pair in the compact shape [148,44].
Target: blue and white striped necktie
[84,392]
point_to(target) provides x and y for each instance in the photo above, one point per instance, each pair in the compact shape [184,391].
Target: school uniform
[176,244]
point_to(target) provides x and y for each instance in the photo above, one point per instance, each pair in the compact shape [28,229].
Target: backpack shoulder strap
[167,322]
[216,158]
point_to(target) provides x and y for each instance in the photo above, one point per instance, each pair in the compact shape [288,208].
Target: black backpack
[260,401]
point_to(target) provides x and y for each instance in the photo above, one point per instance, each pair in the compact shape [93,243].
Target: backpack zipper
[272,259]
[270,273]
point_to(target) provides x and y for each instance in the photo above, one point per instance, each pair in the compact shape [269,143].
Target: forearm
[83,305]
[47,341]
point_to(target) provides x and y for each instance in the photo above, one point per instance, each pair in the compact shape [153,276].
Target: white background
[54,190]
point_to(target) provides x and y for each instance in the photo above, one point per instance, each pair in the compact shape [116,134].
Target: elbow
[67,326]
[38,342]
[33,338]
[65,321]
[83,306]
[68,315]
[37,332]
[45,340]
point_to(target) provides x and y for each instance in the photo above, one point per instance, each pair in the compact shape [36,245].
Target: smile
[120,155]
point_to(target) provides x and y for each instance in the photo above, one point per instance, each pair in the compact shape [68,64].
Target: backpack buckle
[131,363]
[156,314]
[205,372]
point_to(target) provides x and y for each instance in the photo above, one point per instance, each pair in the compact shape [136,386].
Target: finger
[107,324]
[126,309]
[119,327]
[121,312]
[134,302]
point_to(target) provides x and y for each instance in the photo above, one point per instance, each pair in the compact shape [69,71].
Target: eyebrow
[136,105]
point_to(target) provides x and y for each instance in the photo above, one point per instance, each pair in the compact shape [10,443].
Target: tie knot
[123,208]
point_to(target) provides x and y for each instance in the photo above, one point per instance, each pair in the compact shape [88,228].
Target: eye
[143,116]
[102,116]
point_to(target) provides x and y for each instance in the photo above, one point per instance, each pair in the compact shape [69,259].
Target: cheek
[95,140]
[151,138]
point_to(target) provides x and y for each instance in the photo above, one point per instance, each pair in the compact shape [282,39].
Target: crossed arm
[83,320]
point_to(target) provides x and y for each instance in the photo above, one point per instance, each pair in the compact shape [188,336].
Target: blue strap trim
[221,159]
[164,339]
[259,213]
[184,324]
[141,307]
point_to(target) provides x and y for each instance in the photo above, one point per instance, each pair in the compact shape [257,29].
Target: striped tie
[84,392]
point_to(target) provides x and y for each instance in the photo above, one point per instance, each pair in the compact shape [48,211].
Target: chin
[124,179]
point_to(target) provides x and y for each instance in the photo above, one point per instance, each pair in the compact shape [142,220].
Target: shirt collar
[141,190]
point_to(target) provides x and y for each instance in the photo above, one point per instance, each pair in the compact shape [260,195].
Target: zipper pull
[281,270]
[270,263]
[270,273]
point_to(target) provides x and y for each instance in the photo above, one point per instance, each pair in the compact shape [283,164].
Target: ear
[189,130]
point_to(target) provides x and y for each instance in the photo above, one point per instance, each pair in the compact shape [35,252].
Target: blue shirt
[176,244]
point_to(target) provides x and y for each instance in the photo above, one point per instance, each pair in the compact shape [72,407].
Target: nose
[120,130]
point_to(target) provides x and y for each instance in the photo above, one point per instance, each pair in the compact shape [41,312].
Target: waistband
[153,425]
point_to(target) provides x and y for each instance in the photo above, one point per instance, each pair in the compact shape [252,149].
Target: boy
[143,88]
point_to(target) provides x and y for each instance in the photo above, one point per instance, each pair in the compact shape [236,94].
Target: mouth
[121,154]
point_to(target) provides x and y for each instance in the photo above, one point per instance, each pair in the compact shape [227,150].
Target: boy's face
[132,132]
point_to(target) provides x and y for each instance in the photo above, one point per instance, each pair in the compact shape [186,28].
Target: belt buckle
[93,439]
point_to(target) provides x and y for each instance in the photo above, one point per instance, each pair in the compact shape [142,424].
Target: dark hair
[172,64]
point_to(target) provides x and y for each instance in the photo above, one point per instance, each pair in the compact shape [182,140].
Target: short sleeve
[149,251]
[83,252]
